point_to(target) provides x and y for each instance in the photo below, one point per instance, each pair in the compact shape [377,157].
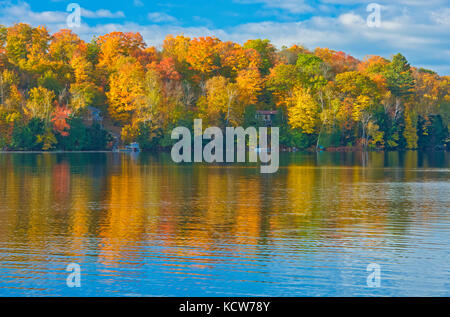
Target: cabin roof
[93,109]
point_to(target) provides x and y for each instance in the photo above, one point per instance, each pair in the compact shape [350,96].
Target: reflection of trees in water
[195,211]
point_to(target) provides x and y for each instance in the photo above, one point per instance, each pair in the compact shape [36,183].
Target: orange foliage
[64,44]
[339,61]
[59,117]
[166,69]
[250,83]
[176,47]
[116,44]
[203,55]
[236,57]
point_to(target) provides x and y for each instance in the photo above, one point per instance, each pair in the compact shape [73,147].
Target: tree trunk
[318,137]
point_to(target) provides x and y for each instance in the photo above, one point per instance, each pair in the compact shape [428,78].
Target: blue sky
[418,29]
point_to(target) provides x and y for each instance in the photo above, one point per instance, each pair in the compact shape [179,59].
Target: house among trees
[93,115]
[266,116]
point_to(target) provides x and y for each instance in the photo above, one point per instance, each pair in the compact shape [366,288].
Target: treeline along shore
[58,92]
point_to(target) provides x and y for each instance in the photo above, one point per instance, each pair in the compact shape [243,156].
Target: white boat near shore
[133,147]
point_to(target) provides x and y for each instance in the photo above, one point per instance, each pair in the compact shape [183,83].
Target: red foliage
[167,70]
[59,117]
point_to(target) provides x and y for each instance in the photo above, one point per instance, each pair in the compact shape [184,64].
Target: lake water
[141,225]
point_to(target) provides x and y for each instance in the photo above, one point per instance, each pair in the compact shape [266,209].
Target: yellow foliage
[40,103]
[376,136]
[126,88]
[303,111]
[410,132]
[249,82]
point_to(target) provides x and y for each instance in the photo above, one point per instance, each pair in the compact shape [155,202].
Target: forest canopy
[58,92]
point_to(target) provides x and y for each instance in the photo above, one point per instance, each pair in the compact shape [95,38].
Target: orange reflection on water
[116,204]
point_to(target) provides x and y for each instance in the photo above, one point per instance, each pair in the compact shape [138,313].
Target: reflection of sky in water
[144,226]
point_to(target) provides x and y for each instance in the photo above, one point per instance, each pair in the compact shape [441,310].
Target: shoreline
[331,150]
[54,152]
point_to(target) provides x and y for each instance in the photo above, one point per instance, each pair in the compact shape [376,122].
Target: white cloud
[441,17]
[22,13]
[159,17]
[293,6]
[351,19]
[102,13]
[402,2]
[138,3]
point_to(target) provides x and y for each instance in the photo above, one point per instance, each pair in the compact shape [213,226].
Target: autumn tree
[8,79]
[250,83]
[126,88]
[281,82]
[303,112]
[337,60]
[360,97]
[266,51]
[176,47]
[234,58]
[40,104]
[63,45]
[59,119]
[203,56]
[116,49]
[85,94]
[214,103]
[290,55]
[149,102]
